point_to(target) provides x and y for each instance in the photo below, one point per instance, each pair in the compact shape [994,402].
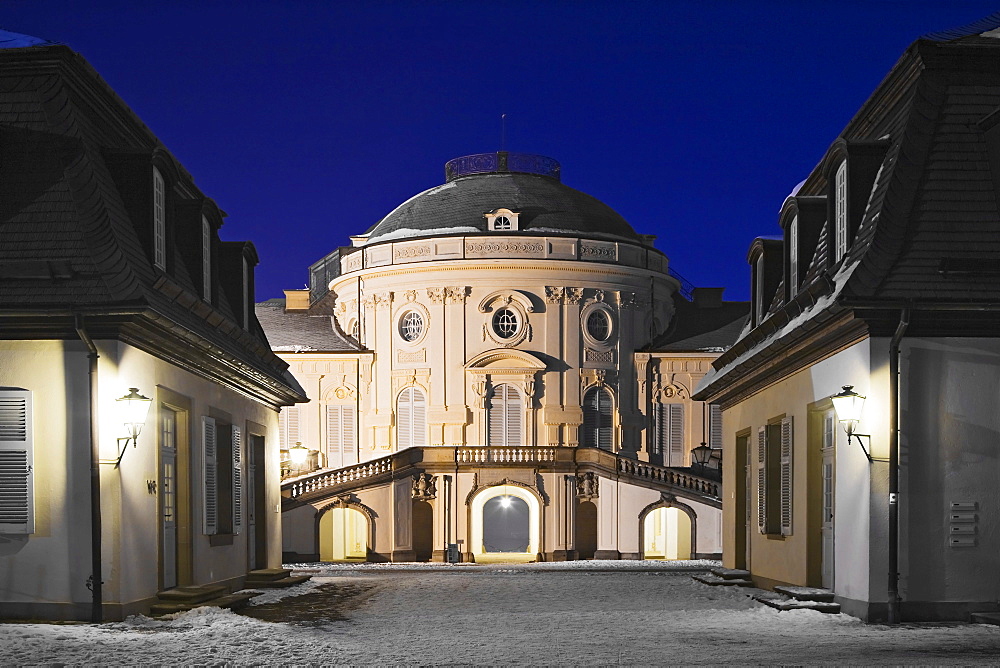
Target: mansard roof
[928,230]
[75,160]
[697,326]
[301,331]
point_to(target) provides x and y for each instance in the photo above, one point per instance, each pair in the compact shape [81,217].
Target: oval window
[505,323]
[411,326]
[599,325]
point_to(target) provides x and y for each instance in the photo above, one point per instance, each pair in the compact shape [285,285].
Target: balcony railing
[668,476]
[504,455]
[348,474]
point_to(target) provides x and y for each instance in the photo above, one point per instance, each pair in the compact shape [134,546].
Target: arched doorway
[666,534]
[586,529]
[343,535]
[423,530]
[505,525]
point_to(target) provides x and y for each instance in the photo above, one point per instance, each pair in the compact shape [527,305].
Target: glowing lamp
[298,454]
[133,409]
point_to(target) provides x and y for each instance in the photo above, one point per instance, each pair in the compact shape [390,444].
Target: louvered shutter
[590,420]
[348,435]
[496,420]
[237,481]
[715,413]
[605,433]
[404,419]
[512,408]
[786,476]
[334,434]
[419,413]
[659,435]
[675,435]
[209,469]
[16,479]
[762,479]
[288,427]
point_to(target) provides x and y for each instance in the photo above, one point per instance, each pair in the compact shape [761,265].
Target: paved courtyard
[592,613]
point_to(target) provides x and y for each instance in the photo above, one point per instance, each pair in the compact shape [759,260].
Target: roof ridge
[977,27]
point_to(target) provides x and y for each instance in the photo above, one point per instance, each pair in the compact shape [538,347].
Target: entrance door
[747,500]
[257,533]
[168,496]
[828,499]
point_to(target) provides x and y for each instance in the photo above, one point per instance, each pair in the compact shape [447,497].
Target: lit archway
[343,535]
[666,534]
[506,524]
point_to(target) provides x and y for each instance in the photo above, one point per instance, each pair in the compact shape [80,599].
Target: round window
[505,323]
[599,325]
[411,326]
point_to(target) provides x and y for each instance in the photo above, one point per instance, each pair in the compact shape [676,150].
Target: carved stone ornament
[382,299]
[456,294]
[410,295]
[628,300]
[436,295]
[574,295]
[587,486]
[600,375]
[554,295]
[424,487]
[342,501]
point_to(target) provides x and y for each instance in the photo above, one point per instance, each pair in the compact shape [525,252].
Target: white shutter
[715,415]
[348,435]
[762,479]
[495,419]
[288,427]
[334,431]
[676,435]
[211,515]
[419,413]
[404,419]
[659,435]
[17,511]
[605,421]
[787,446]
[237,481]
[512,408]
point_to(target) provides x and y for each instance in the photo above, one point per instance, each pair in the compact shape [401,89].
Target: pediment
[505,359]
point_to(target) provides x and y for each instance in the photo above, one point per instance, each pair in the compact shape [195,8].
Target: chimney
[296,300]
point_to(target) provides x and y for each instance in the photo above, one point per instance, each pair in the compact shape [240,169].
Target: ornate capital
[410,295]
[382,300]
[456,294]
[554,295]
[574,295]
[436,295]
[628,300]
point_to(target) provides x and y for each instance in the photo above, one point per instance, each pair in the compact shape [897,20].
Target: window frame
[840,213]
[598,428]
[159,220]
[17,437]
[510,419]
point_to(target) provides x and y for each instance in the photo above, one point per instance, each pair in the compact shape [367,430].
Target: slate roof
[932,204]
[702,329]
[301,331]
[545,205]
[69,242]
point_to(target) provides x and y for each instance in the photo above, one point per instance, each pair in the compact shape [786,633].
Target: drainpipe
[96,604]
[893,594]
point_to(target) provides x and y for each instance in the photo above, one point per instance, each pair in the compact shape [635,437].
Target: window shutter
[237,481]
[715,415]
[659,428]
[16,480]
[512,409]
[590,420]
[209,470]
[334,432]
[496,421]
[419,413]
[159,221]
[348,435]
[762,479]
[786,476]
[605,431]
[676,434]
[288,426]
[404,419]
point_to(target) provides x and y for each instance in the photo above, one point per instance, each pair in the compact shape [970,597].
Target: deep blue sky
[309,121]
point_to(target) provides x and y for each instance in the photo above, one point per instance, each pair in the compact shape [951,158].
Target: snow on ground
[504,614]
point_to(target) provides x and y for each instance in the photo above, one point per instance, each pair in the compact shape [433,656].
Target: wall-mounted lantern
[134,409]
[298,454]
[701,455]
[848,405]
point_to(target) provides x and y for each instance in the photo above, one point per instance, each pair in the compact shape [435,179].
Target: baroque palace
[500,370]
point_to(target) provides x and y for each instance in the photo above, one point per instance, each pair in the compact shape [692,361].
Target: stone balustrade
[347,474]
[668,476]
[504,455]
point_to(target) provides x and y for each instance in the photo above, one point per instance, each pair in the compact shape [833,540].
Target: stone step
[190,595]
[985,618]
[794,604]
[715,581]
[806,593]
[264,574]
[231,601]
[277,584]
[731,573]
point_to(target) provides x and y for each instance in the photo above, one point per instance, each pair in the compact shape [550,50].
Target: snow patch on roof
[16,40]
[795,191]
[559,230]
[435,189]
[406,232]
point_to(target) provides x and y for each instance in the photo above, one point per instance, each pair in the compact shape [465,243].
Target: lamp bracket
[121,450]
[851,434]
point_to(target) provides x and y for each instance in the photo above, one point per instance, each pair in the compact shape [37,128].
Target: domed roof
[527,185]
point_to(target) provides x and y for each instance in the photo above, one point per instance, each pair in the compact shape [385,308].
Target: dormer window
[793,256]
[159,221]
[246,294]
[840,212]
[206,260]
[501,220]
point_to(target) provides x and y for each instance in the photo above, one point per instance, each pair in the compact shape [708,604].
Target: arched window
[411,425]
[840,212]
[504,417]
[597,419]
